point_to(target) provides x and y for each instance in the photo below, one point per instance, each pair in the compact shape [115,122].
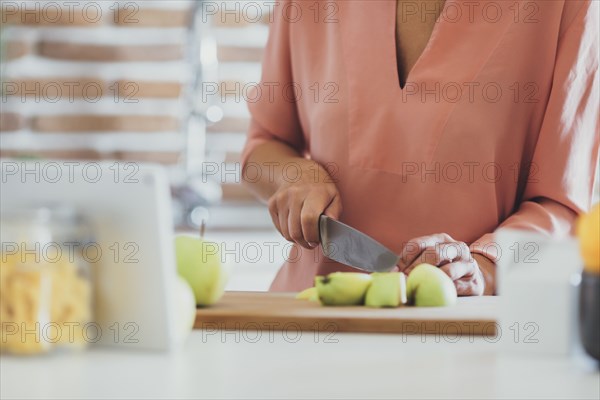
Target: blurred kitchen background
[146,81]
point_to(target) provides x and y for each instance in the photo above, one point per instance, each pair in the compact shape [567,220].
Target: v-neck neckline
[368,47]
[428,45]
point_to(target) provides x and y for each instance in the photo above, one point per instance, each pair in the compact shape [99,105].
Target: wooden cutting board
[281,311]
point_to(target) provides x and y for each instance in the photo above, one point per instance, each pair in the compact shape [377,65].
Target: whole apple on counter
[199,263]
[186,309]
[429,286]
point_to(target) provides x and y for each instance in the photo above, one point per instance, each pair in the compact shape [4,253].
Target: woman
[427,125]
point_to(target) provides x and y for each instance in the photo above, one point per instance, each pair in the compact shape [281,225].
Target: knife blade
[349,246]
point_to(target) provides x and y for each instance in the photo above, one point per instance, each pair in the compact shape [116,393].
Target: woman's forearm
[267,166]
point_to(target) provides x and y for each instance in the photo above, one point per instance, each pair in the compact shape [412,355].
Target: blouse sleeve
[272,103]
[566,154]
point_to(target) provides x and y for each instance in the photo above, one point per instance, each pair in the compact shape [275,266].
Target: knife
[348,246]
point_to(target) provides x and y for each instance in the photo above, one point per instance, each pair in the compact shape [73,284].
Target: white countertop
[253,365]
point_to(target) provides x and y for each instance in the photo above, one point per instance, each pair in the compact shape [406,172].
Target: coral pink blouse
[497,125]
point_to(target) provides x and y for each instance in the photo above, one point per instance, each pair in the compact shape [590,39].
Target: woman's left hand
[451,256]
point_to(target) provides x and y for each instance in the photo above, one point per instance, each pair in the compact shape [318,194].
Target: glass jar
[45,280]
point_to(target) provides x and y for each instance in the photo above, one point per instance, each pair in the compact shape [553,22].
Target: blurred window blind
[240,29]
[94,80]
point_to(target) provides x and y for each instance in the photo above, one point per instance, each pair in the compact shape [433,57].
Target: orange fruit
[588,232]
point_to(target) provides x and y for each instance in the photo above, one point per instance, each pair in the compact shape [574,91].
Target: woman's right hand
[298,202]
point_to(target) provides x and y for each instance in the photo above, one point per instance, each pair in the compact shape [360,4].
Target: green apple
[309,294]
[429,286]
[186,309]
[388,289]
[198,262]
[342,288]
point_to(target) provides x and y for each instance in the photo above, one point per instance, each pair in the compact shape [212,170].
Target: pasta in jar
[45,289]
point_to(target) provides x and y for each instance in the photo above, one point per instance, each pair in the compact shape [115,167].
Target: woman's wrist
[488,271]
